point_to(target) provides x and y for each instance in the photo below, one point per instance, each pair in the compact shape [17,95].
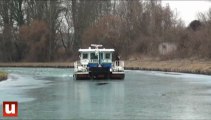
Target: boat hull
[99,73]
[117,75]
[99,76]
[81,76]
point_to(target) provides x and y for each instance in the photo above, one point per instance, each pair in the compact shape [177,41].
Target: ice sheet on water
[182,76]
[16,81]
[16,85]
[20,80]
[52,72]
[44,72]
[67,75]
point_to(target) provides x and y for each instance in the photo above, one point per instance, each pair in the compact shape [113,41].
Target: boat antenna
[96,46]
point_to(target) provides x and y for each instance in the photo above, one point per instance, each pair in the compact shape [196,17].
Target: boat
[96,63]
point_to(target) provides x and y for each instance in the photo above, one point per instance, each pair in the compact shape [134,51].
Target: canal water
[51,93]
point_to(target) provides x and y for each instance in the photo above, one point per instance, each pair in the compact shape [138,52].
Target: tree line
[53,30]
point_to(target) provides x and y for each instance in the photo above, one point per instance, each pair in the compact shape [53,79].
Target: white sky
[187,10]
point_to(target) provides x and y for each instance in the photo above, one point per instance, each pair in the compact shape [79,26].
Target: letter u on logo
[10,109]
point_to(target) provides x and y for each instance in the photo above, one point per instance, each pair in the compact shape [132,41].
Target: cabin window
[107,56]
[85,56]
[93,56]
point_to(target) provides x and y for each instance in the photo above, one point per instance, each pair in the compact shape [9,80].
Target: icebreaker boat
[96,63]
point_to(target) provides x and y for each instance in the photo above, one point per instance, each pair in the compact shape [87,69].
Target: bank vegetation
[3,76]
[53,30]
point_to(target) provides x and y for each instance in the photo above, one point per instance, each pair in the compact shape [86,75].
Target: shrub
[3,76]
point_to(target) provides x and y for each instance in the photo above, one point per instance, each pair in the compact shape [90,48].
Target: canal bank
[3,76]
[180,65]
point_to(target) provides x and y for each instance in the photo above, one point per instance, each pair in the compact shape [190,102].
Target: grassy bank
[3,76]
[183,65]
[52,64]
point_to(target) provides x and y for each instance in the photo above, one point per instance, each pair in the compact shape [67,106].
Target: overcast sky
[187,10]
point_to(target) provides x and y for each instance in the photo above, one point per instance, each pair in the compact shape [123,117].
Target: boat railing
[75,65]
[106,61]
[119,64]
[79,67]
[93,61]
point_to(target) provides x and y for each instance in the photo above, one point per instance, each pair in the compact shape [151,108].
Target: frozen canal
[52,93]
